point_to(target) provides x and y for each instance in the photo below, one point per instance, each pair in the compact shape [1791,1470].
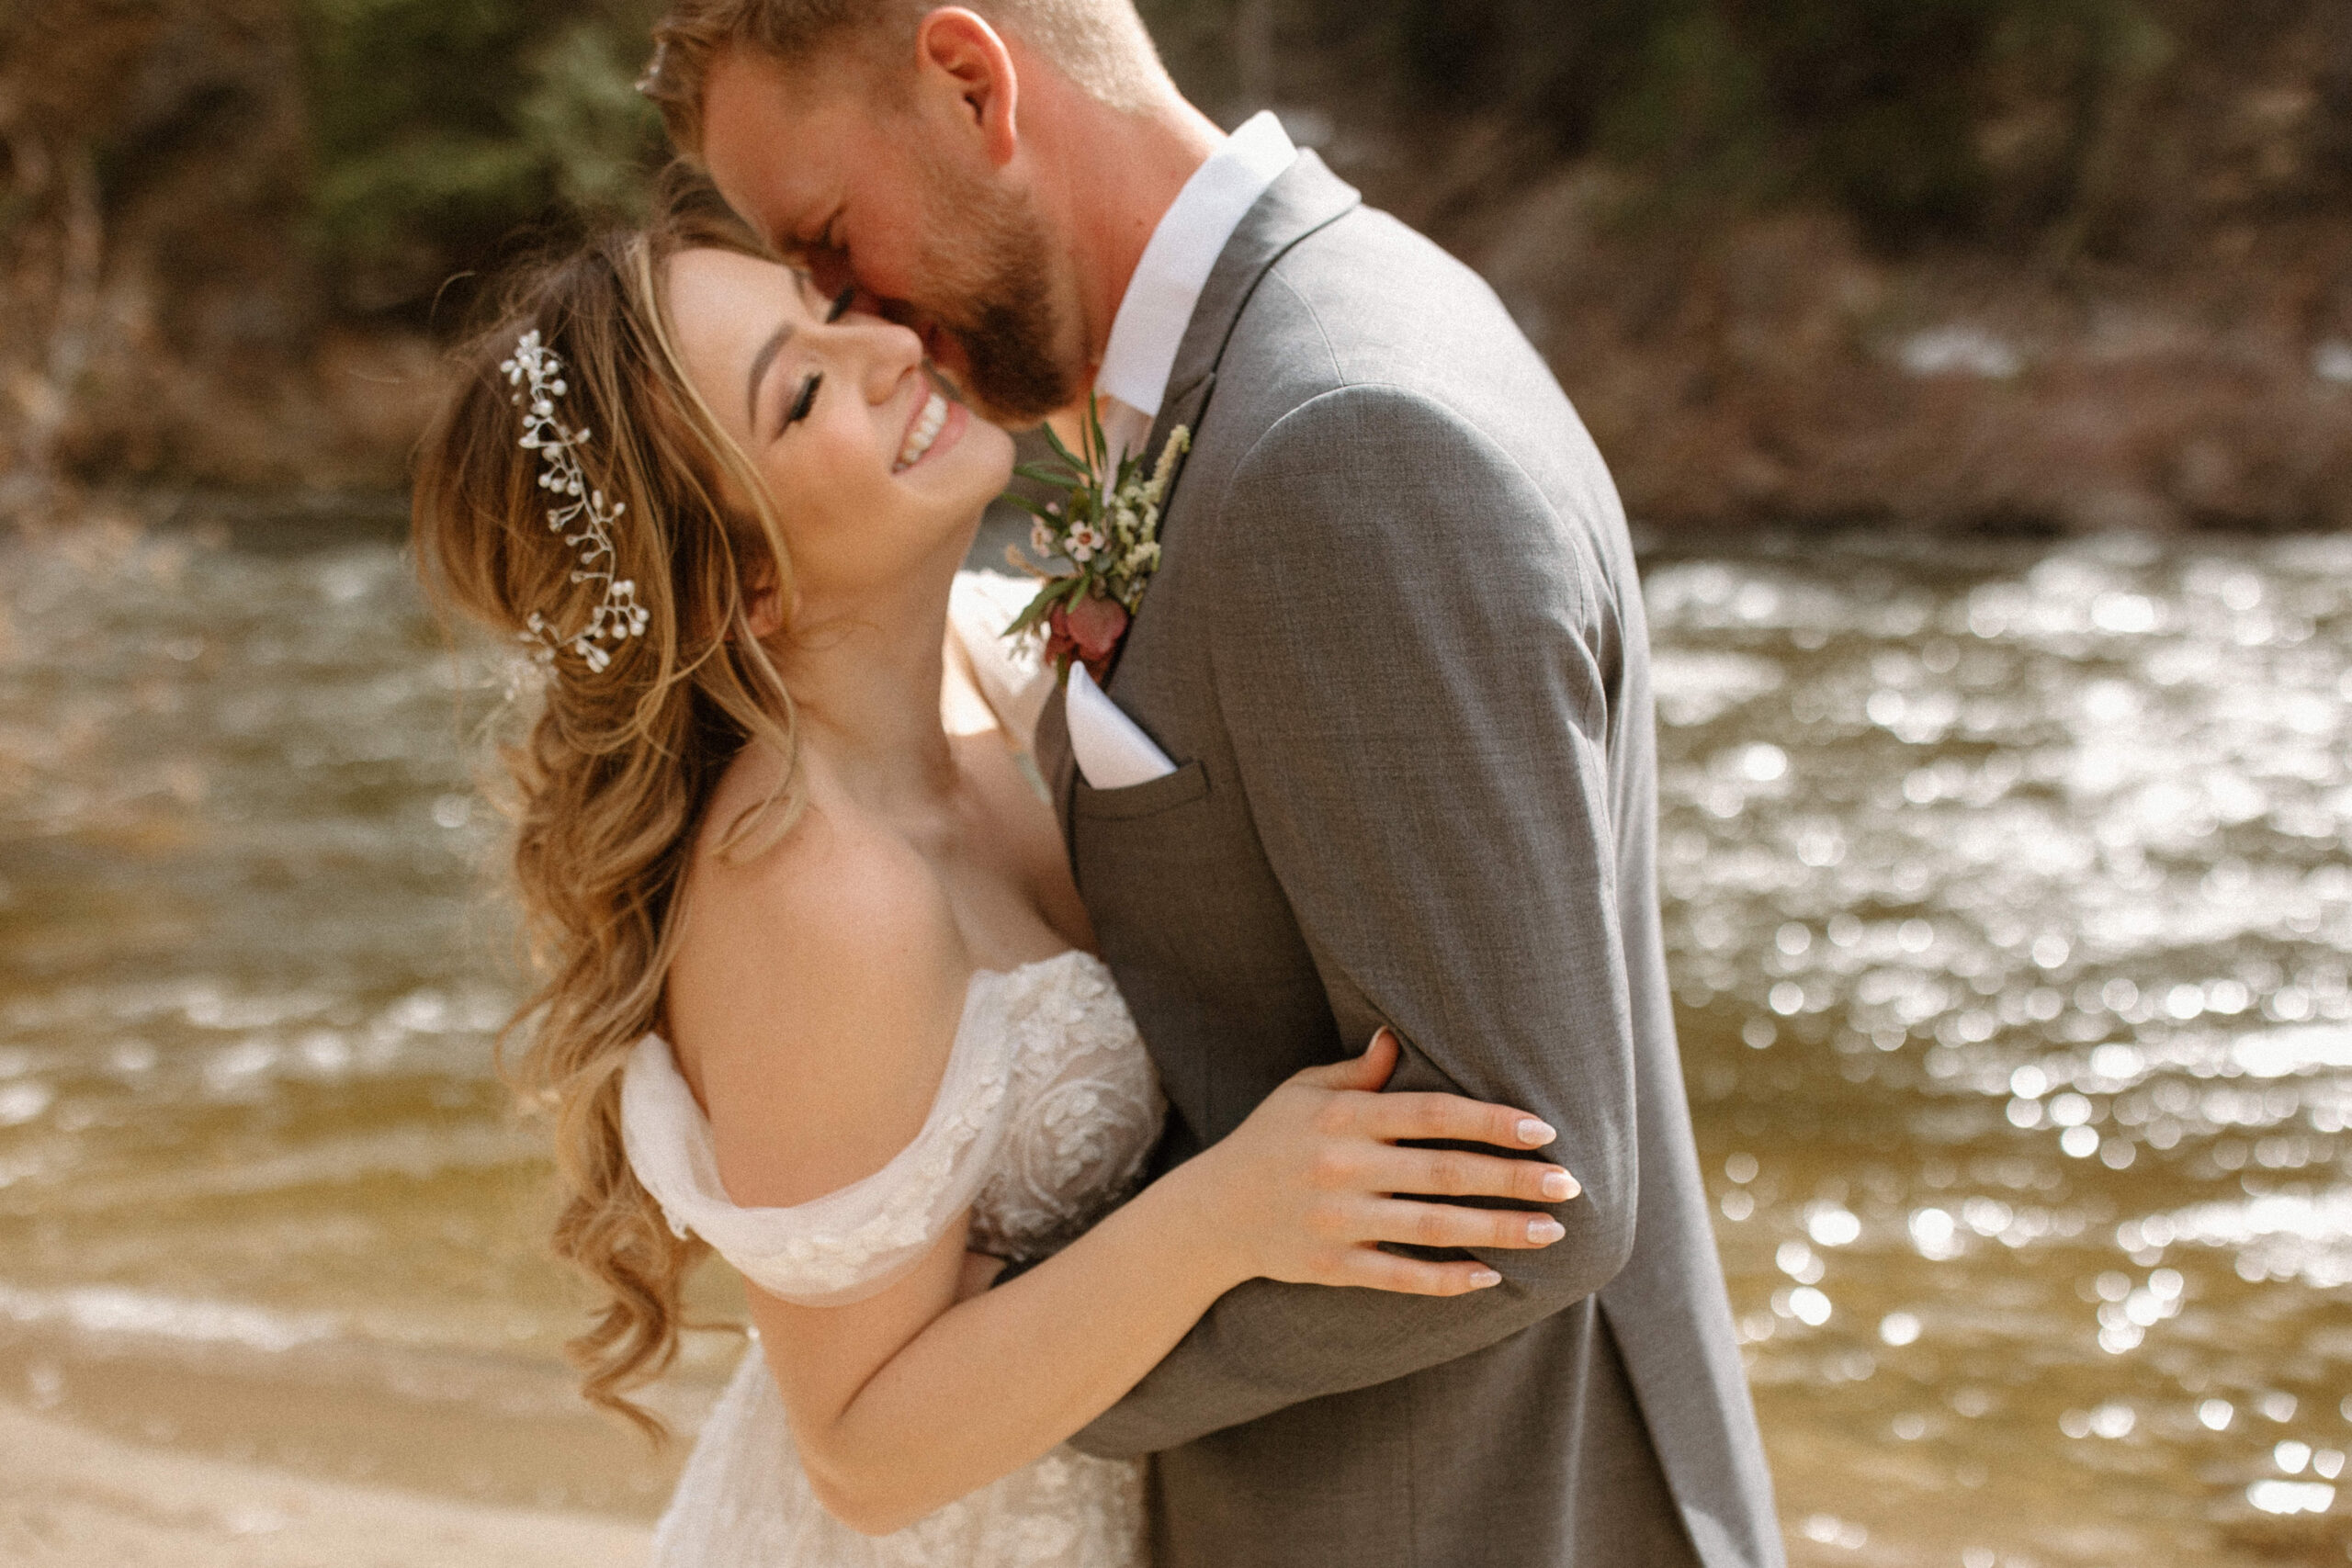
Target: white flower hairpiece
[537,375]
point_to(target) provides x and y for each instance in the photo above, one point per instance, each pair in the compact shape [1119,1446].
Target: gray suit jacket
[1396,647]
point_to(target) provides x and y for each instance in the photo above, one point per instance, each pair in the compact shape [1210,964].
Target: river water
[2008,898]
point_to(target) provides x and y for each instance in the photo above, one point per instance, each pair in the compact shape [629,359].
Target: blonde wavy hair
[609,778]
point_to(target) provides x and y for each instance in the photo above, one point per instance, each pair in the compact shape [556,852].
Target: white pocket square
[1111,749]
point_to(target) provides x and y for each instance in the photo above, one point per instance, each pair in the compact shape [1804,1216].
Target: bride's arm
[911,1399]
[903,1403]
[819,992]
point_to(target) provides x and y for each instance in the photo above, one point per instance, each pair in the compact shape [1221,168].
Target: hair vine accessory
[648,81]
[537,375]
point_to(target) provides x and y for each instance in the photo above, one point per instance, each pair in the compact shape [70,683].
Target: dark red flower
[1088,630]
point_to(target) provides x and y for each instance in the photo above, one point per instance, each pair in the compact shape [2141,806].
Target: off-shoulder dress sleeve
[852,1243]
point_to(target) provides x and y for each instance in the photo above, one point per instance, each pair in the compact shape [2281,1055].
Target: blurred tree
[1941,116]
[1921,118]
[440,127]
[222,222]
[151,163]
[1880,98]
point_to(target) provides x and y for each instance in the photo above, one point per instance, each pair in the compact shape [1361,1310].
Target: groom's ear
[964,61]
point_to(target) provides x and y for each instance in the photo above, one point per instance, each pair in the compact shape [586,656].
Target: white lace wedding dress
[1042,1119]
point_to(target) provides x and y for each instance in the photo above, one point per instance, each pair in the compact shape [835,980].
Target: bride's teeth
[926,430]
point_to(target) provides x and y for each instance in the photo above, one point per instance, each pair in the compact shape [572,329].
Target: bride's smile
[875,473]
[937,418]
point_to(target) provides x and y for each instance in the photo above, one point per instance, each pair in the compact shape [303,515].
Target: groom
[1395,661]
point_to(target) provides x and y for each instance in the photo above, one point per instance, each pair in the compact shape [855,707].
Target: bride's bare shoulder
[812,999]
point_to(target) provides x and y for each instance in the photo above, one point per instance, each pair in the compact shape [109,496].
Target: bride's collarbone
[956,889]
[994,856]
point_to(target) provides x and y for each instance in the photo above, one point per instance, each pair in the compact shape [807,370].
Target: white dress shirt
[1111,749]
[1158,305]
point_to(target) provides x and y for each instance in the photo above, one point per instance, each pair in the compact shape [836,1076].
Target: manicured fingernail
[1534,1133]
[1545,1231]
[1483,1278]
[1559,1185]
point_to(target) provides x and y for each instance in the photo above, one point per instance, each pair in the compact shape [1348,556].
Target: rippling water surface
[2010,912]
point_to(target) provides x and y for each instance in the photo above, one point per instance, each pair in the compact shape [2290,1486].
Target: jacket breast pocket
[1186,784]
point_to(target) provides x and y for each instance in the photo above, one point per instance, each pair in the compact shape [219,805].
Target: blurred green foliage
[1892,110]
[441,129]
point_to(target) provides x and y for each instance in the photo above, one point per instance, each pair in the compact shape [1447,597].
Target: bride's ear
[765,613]
[763,617]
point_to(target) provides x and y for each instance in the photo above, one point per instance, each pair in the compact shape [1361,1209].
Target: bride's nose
[889,352]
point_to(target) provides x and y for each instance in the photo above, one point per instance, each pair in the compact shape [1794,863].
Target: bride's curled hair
[610,775]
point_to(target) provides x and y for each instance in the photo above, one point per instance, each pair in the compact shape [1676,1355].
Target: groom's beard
[1006,322]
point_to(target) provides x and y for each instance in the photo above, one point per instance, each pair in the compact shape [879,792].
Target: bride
[817,989]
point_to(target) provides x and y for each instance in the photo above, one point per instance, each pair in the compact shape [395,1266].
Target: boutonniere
[1097,547]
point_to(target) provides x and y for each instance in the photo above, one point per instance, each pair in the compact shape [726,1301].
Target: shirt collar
[1176,263]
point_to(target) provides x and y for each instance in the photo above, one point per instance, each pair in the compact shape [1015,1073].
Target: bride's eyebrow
[760,363]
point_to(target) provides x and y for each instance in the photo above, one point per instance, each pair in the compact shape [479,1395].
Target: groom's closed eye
[822,256]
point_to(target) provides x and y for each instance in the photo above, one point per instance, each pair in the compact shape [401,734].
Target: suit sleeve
[1416,674]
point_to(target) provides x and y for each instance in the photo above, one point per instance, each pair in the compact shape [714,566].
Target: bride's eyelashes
[804,403]
[807,401]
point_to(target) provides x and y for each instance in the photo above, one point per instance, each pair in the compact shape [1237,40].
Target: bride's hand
[1305,1190]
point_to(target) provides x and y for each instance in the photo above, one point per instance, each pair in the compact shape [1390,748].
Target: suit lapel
[1056,764]
[1185,408]
[1306,197]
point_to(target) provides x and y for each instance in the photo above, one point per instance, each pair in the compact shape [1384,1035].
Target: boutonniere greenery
[1097,547]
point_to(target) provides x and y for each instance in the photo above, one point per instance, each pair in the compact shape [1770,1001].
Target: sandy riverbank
[70,1498]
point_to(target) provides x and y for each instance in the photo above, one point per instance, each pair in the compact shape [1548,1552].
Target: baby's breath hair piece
[648,81]
[537,374]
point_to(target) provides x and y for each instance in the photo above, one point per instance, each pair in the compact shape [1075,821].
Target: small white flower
[617,615]
[1115,547]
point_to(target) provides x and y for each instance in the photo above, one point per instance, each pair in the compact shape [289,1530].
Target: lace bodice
[1041,1123]
[1042,1120]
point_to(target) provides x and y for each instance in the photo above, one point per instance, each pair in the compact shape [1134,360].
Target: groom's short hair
[1101,45]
